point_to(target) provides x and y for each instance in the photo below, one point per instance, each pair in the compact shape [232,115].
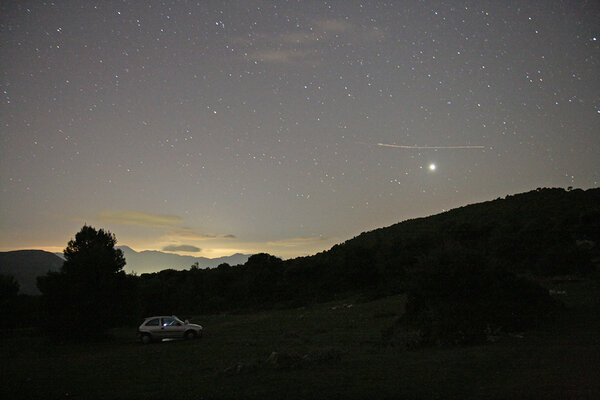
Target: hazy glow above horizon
[211,128]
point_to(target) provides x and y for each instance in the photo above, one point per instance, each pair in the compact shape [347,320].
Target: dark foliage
[545,232]
[457,298]
[9,301]
[90,293]
[9,287]
[260,282]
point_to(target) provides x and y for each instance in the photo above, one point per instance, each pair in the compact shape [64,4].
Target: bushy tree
[9,287]
[457,297]
[91,292]
[17,310]
[264,278]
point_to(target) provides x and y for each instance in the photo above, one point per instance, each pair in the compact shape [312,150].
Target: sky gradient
[209,128]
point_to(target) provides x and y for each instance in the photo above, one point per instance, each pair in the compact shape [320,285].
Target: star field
[285,127]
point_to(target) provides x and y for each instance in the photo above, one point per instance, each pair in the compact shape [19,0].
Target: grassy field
[331,350]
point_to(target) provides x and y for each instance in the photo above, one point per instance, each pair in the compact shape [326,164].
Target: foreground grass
[559,361]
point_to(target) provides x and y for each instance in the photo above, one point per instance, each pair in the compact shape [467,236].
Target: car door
[171,328]
[153,327]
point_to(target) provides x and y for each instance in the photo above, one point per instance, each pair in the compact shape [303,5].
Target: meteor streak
[396,146]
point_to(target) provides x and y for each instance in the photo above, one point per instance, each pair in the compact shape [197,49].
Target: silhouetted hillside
[26,265]
[540,233]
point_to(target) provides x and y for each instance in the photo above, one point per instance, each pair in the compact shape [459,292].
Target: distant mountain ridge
[148,261]
[27,265]
[154,261]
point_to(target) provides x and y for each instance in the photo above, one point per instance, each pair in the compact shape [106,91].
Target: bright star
[432,167]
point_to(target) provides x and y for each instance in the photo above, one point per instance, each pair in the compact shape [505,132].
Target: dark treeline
[546,232]
[464,262]
[259,282]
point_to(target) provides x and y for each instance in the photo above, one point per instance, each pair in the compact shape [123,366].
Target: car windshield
[178,320]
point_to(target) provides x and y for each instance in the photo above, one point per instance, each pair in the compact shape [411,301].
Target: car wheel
[146,339]
[190,335]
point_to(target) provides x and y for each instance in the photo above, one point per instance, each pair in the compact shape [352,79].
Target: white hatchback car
[167,327]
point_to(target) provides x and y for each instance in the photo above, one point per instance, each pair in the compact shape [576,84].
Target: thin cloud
[334,25]
[372,34]
[188,233]
[229,237]
[298,45]
[300,37]
[186,248]
[170,224]
[277,56]
[139,218]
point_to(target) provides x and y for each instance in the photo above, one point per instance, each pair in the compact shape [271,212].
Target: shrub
[456,298]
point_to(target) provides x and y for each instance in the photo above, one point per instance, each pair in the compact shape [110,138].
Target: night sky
[214,127]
